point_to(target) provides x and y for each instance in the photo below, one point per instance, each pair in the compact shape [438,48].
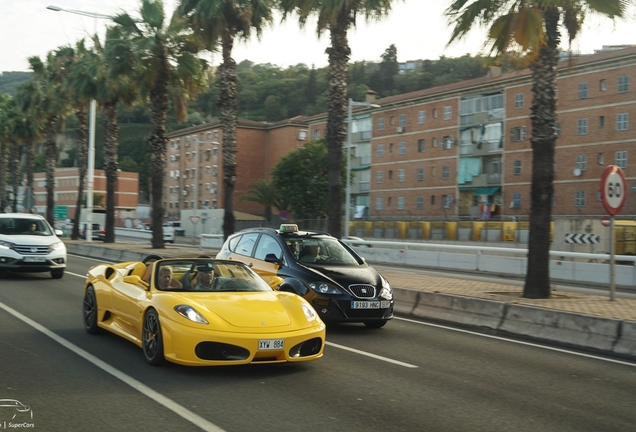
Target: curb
[586,332]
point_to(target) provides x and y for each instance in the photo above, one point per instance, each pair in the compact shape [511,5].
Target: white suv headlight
[58,246]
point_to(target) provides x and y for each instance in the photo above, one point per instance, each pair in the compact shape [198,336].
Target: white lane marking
[364,353]
[75,274]
[142,388]
[549,348]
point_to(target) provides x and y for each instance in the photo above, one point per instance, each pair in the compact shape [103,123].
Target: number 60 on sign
[613,189]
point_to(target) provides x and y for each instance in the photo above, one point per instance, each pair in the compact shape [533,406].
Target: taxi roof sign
[288,228]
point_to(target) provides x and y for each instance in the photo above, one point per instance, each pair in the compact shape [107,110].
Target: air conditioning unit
[212,191]
[399,129]
[176,175]
[184,192]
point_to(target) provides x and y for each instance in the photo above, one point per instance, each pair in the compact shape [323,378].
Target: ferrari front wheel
[90,311]
[152,340]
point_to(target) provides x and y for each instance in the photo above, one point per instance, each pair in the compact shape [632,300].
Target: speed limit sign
[613,190]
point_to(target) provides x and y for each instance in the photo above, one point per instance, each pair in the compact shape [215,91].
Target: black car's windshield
[206,275]
[320,250]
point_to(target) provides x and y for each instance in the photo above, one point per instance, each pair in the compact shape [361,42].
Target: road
[407,376]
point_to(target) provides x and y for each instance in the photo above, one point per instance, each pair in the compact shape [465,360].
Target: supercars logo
[12,411]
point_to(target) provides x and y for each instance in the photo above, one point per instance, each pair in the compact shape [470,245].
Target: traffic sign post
[613,192]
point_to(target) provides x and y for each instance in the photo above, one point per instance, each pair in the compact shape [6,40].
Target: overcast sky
[416,27]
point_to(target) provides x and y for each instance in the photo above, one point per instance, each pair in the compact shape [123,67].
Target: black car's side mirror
[272,258]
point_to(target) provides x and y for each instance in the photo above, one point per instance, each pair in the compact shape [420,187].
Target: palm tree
[533,28]
[337,16]
[223,21]
[265,194]
[47,79]
[162,58]
[5,134]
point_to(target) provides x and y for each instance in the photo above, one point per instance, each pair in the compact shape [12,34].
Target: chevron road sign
[582,238]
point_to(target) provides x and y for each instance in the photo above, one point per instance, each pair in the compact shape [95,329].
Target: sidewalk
[579,320]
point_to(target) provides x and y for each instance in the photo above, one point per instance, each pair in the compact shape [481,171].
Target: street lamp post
[350,106]
[91,134]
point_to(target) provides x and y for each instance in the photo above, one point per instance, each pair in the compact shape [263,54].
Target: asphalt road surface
[408,376]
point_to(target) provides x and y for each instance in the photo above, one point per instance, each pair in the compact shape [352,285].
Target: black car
[337,281]
[97,233]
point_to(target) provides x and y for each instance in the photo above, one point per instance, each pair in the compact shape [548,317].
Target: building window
[621,121]
[379,177]
[445,172]
[434,141]
[434,112]
[419,202]
[557,128]
[583,90]
[447,142]
[516,200]
[601,122]
[401,175]
[421,117]
[380,150]
[623,83]
[621,159]
[378,203]
[602,85]
[420,145]
[315,134]
[389,201]
[581,127]
[519,100]
[390,175]
[432,200]
[402,148]
[579,199]
[447,200]
[601,159]
[581,162]
[448,112]
[381,123]
[400,203]
[518,134]
[516,167]
[391,148]
[420,174]
[402,120]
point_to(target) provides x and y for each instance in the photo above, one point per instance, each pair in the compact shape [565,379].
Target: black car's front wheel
[375,324]
[152,340]
[90,311]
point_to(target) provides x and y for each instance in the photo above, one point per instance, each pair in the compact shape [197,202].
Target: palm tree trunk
[339,53]
[82,159]
[157,149]
[228,108]
[543,117]
[50,150]
[4,163]
[111,165]
[16,178]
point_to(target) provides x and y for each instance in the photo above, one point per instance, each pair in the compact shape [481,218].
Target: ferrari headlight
[324,288]
[190,313]
[310,313]
[57,246]
[387,292]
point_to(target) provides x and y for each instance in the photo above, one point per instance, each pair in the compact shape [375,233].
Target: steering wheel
[151,258]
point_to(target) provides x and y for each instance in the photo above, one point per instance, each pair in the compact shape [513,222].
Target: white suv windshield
[24,226]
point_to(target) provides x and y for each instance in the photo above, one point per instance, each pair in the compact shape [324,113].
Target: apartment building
[194,168]
[66,190]
[463,150]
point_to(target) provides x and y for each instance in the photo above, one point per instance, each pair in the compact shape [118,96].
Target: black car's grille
[31,250]
[362,291]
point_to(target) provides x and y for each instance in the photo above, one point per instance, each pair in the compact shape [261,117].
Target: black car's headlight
[324,288]
[190,313]
[386,292]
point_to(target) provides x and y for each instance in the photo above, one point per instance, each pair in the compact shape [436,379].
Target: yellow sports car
[201,312]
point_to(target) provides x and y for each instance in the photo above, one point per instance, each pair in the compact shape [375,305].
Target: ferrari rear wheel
[152,340]
[90,311]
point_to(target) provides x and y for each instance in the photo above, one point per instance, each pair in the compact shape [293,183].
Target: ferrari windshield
[206,275]
[24,226]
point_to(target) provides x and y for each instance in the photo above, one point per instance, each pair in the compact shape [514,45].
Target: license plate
[370,304]
[34,259]
[271,344]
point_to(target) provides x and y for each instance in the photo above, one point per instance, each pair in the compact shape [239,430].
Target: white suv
[29,244]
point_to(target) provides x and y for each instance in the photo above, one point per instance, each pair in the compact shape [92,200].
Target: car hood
[347,275]
[261,310]
[28,239]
